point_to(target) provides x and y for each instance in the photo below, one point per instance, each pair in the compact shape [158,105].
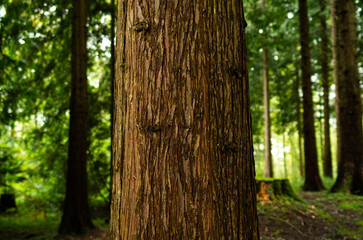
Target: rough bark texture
[268,155]
[325,82]
[183,162]
[312,179]
[76,217]
[350,168]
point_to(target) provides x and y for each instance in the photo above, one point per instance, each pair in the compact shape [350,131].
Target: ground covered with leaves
[318,216]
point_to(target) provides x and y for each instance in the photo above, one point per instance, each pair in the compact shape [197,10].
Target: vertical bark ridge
[188,169]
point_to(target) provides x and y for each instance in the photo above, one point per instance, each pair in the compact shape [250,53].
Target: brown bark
[325,82]
[350,169]
[76,217]
[183,161]
[312,179]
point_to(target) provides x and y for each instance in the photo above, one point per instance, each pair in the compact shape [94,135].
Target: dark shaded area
[7,201]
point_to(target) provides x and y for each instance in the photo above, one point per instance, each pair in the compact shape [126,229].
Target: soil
[322,216]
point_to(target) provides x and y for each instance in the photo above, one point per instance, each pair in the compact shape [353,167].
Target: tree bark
[76,217]
[312,179]
[183,160]
[350,168]
[328,172]
[268,155]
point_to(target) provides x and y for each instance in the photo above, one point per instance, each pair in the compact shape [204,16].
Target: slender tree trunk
[268,155]
[350,169]
[312,178]
[336,73]
[76,217]
[284,152]
[328,172]
[183,160]
[298,113]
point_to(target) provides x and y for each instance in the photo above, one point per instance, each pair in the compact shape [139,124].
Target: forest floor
[321,216]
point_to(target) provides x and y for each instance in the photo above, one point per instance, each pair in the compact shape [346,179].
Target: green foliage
[35,46]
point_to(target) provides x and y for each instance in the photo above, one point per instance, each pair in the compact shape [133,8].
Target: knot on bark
[154,128]
[142,26]
[229,147]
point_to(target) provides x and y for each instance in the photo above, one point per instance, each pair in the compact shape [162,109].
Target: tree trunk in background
[76,217]
[350,169]
[298,113]
[183,160]
[312,178]
[328,172]
[268,155]
[284,152]
[336,73]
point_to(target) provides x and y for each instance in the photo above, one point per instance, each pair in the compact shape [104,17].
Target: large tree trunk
[325,82]
[268,155]
[312,178]
[350,103]
[183,162]
[76,217]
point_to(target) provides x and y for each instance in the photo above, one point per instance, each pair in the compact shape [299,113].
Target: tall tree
[336,73]
[312,178]
[183,163]
[350,167]
[325,82]
[76,217]
[268,155]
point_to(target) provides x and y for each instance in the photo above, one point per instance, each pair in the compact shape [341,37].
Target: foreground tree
[183,166]
[76,217]
[325,82]
[350,167]
[312,179]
